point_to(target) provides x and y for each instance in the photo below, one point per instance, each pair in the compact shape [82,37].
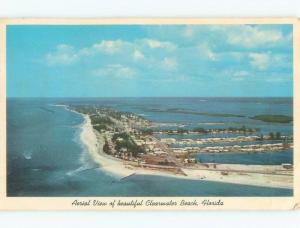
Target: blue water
[45,157]
[266,158]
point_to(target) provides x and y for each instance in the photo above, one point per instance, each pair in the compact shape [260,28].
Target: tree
[147,132]
[182,131]
[278,135]
[285,144]
[106,147]
[261,138]
[243,128]
[271,135]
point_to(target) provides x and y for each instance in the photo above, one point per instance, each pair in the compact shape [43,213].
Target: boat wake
[82,169]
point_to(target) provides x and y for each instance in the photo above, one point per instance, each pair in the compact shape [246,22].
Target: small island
[273,118]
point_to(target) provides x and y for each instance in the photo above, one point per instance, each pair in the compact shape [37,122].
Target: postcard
[149,114]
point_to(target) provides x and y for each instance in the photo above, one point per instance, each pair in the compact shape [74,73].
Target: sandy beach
[94,143]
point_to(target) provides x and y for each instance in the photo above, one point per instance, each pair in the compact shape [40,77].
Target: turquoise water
[45,157]
[266,158]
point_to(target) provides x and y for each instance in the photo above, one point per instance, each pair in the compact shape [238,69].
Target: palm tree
[278,135]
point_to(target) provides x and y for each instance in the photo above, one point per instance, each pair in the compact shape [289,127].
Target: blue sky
[156,60]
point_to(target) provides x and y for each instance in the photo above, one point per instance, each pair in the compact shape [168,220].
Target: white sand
[117,167]
[256,179]
[94,146]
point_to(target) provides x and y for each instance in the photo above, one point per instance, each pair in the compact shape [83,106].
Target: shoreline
[94,143]
[94,147]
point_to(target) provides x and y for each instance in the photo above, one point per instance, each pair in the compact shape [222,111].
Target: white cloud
[115,71]
[169,64]
[109,46]
[238,56]
[154,44]
[260,61]
[138,55]
[279,79]
[197,50]
[282,60]
[234,74]
[63,54]
[250,37]
[246,36]
[206,51]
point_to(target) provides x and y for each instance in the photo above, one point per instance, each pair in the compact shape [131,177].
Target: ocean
[46,158]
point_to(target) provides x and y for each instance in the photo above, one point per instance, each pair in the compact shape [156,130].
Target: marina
[124,138]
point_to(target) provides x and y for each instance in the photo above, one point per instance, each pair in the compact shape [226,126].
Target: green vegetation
[273,118]
[100,127]
[147,131]
[93,112]
[275,136]
[271,135]
[124,140]
[200,130]
[191,112]
[101,123]
[98,120]
[122,135]
[278,135]
[106,147]
[182,131]
[242,129]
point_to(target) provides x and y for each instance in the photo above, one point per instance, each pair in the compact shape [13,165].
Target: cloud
[109,46]
[269,60]
[260,61]
[115,71]
[159,44]
[169,64]
[224,36]
[63,54]
[66,54]
[207,51]
[251,36]
[137,55]
[234,74]
[234,52]
[283,61]
[279,78]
